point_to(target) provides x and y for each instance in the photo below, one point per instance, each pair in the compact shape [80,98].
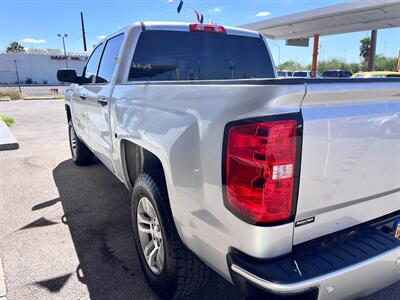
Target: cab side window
[90,70]
[109,59]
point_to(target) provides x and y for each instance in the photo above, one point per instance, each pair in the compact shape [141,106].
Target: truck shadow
[97,212]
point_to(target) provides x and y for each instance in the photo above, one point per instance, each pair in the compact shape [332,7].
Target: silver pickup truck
[285,187]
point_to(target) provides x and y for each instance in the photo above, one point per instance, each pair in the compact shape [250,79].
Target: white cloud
[101,36]
[33,41]
[216,10]
[263,14]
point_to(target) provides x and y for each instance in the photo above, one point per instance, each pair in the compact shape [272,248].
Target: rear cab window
[163,55]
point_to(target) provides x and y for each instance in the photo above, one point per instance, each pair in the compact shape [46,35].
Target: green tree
[384,63]
[355,67]
[15,47]
[365,48]
[290,65]
[333,64]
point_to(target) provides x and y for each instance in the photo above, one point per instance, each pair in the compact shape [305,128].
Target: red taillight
[207,28]
[260,170]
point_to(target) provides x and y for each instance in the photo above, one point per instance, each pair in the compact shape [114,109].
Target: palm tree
[15,47]
[364,49]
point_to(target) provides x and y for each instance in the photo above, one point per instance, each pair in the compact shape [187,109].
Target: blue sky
[37,22]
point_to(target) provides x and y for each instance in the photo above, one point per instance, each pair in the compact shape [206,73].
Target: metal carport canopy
[342,18]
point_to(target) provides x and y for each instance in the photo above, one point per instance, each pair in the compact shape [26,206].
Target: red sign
[63,57]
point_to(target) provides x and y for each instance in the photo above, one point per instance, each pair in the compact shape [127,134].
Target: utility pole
[83,33]
[372,50]
[315,56]
[398,63]
[16,71]
[63,36]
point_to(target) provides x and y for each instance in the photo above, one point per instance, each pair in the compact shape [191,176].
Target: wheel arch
[137,160]
[143,158]
[68,111]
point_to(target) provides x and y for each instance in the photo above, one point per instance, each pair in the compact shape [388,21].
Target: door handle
[102,101]
[83,96]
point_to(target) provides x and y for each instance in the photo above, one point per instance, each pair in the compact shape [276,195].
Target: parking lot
[65,230]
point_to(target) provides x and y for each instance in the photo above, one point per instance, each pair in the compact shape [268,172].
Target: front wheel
[80,153]
[172,270]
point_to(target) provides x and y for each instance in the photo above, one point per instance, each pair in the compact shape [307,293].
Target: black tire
[182,272]
[81,155]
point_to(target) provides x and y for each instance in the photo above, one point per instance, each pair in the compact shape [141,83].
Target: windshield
[300,74]
[178,55]
[331,74]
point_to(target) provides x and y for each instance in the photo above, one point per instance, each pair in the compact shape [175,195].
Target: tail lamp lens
[260,168]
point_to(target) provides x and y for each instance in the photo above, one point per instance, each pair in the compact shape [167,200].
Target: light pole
[63,36]
[16,71]
[279,51]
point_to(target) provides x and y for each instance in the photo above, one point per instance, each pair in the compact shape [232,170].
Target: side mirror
[67,75]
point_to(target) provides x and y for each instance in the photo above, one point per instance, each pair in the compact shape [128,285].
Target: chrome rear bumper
[348,264]
[358,280]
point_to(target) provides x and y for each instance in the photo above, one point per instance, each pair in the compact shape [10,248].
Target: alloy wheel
[150,235]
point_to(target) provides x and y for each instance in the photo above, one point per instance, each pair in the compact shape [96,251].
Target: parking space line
[3,291]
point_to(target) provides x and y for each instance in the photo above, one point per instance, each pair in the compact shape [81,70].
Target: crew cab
[285,187]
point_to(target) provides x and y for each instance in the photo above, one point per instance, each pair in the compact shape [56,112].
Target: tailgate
[350,169]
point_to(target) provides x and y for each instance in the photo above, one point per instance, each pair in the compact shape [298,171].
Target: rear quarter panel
[183,125]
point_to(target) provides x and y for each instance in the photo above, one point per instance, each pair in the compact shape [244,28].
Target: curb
[42,98]
[7,139]
[3,290]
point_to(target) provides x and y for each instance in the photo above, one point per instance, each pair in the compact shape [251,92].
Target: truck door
[81,94]
[98,102]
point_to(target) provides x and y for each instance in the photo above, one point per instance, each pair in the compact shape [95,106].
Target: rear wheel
[171,269]
[81,155]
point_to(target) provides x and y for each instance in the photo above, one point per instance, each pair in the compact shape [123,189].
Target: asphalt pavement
[65,231]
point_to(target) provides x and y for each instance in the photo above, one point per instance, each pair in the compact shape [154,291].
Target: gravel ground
[65,230]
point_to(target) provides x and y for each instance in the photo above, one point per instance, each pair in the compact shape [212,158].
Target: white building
[36,66]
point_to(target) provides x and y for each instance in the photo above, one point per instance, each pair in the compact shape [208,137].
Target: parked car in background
[305,74]
[377,74]
[284,74]
[336,74]
[278,185]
